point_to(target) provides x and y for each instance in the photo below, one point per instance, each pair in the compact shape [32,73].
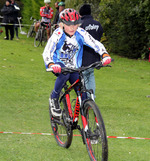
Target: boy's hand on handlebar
[56,68]
[106,59]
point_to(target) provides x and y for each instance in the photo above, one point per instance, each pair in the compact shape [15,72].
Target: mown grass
[121,93]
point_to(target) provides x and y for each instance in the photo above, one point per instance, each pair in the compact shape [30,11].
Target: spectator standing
[56,18]
[61,7]
[8,19]
[16,12]
[95,29]
[46,12]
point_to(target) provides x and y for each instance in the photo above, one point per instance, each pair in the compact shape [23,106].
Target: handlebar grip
[49,69]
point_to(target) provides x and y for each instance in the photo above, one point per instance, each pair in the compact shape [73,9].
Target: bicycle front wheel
[95,137]
[37,39]
[61,128]
[31,30]
[44,37]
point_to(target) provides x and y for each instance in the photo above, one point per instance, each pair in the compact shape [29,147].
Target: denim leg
[59,83]
[89,79]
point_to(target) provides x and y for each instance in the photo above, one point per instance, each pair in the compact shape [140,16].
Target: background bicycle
[41,34]
[93,130]
[31,32]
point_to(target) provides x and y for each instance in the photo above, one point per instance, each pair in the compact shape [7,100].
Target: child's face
[70,30]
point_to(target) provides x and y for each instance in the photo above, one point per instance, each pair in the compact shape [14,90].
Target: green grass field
[121,94]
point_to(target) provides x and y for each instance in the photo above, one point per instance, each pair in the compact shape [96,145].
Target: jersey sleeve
[50,15]
[42,14]
[91,42]
[49,51]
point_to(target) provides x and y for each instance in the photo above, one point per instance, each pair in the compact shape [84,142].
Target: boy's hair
[85,9]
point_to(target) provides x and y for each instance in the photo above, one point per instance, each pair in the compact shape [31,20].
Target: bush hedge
[127,27]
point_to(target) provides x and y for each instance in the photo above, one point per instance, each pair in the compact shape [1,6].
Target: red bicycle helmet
[69,17]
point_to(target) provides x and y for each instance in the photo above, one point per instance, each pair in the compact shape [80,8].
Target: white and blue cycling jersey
[62,48]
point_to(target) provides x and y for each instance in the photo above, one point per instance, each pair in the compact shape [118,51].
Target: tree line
[126,23]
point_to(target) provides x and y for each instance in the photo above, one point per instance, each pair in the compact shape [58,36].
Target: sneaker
[55,109]
[6,38]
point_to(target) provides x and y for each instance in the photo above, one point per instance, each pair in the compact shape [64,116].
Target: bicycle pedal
[94,141]
[56,118]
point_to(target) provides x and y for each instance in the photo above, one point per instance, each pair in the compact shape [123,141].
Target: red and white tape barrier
[117,137]
[10,24]
[4,132]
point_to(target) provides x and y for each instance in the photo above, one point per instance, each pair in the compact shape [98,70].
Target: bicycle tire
[44,37]
[31,30]
[37,39]
[61,129]
[95,137]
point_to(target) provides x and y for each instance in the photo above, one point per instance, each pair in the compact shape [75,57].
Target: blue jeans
[89,79]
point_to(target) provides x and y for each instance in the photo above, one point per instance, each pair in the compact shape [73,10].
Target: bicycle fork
[78,109]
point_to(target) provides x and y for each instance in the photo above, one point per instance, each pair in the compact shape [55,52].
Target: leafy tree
[126,24]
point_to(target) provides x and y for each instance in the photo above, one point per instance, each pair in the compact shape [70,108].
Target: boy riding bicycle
[46,12]
[65,48]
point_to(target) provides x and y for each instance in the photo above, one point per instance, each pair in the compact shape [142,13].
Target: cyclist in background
[46,12]
[65,48]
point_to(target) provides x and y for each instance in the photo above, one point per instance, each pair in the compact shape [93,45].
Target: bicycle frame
[79,102]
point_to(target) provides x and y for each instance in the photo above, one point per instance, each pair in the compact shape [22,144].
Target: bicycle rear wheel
[61,128]
[95,137]
[37,39]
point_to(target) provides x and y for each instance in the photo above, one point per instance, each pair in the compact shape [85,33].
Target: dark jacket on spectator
[56,18]
[90,25]
[16,11]
[8,14]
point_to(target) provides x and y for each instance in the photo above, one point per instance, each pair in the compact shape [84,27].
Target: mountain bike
[93,130]
[41,35]
[31,32]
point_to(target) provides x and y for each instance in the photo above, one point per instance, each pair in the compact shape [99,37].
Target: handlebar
[65,70]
